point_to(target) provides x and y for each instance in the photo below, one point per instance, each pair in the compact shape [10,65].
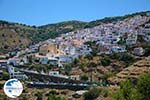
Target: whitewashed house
[147,37]
[117,49]
[64,59]
[53,60]
[3,63]
[13,61]
[57,74]
[132,39]
[15,73]
[44,60]
[138,51]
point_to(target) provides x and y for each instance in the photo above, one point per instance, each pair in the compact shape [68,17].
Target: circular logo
[13,88]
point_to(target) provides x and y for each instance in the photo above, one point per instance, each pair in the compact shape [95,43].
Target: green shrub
[89,57]
[105,61]
[54,97]
[92,94]
[1,86]
[127,58]
[39,96]
[5,76]
[67,69]
[147,50]
[52,92]
[84,78]
[126,92]
[143,87]
[105,93]
[139,92]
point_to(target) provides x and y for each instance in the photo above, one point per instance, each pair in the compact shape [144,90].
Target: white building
[3,63]
[75,77]
[147,38]
[138,51]
[64,59]
[14,73]
[44,60]
[147,25]
[57,74]
[70,50]
[13,61]
[117,49]
[131,41]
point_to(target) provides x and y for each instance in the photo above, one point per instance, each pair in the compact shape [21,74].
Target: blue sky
[40,12]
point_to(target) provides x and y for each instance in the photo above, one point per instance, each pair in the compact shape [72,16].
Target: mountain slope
[17,36]
[13,36]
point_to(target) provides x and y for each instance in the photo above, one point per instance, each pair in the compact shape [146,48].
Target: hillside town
[56,54]
[72,45]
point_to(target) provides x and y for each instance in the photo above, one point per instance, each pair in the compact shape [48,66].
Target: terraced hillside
[133,71]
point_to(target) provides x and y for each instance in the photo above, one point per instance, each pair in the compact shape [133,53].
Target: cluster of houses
[9,66]
[12,66]
[106,35]
[64,49]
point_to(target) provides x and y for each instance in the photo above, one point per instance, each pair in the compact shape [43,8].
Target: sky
[41,12]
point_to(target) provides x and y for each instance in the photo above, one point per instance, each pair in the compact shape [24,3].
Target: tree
[76,61]
[1,86]
[147,50]
[30,59]
[127,58]
[5,76]
[89,57]
[84,78]
[105,61]
[24,97]
[54,97]
[92,94]
[52,92]
[143,87]
[115,56]
[3,97]
[67,69]
[126,92]
[140,92]
[105,77]
[39,95]
[118,96]
[105,93]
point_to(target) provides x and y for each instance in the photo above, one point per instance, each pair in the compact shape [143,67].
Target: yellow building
[51,48]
